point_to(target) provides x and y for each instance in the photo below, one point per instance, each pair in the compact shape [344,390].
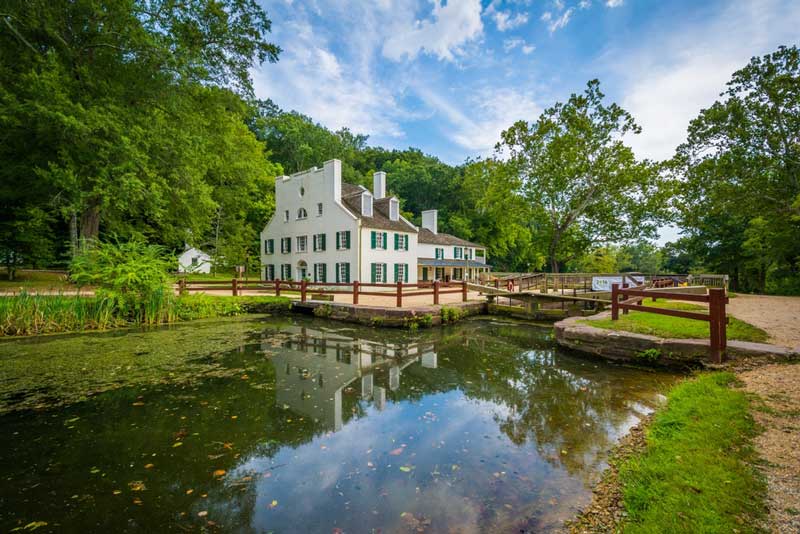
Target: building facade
[326,230]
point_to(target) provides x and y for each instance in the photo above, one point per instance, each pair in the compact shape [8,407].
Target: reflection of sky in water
[483,426]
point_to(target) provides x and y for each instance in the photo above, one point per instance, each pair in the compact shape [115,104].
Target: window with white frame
[379,240]
[302,243]
[269,272]
[439,253]
[343,240]
[286,245]
[319,209]
[286,216]
[378,273]
[319,242]
[343,272]
[458,252]
[269,246]
[400,242]
[286,271]
[400,272]
[302,213]
[320,272]
[394,209]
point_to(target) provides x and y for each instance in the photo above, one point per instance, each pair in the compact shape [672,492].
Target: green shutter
[396,270]
[322,243]
[347,246]
[347,267]
[405,273]
[405,242]
[384,272]
[374,239]
[337,240]
[397,241]
[336,267]
[373,268]
[288,244]
[385,241]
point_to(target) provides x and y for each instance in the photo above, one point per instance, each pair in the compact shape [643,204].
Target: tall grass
[26,314]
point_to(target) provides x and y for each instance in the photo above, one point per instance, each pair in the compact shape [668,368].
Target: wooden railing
[716,317]
[398,290]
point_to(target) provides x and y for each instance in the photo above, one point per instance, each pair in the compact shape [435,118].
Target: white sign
[603,283]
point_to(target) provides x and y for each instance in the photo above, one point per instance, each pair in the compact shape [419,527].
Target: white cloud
[511,44]
[666,81]
[451,26]
[311,79]
[491,110]
[614,3]
[585,4]
[556,23]
[506,21]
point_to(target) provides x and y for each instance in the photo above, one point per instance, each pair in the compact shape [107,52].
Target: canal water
[305,425]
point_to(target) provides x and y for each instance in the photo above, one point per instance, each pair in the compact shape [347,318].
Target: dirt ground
[778,316]
[778,387]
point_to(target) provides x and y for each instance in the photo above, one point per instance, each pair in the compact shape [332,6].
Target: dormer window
[302,213]
[286,216]
[394,209]
[366,204]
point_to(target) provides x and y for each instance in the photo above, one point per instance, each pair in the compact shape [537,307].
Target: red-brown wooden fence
[304,287]
[716,317]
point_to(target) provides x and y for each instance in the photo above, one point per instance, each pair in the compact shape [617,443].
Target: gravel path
[778,316]
[778,386]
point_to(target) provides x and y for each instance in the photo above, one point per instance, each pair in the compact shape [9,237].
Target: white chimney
[333,176]
[379,185]
[430,220]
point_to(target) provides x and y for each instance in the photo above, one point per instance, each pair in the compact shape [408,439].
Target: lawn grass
[40,280]
[677,327]
[697,473]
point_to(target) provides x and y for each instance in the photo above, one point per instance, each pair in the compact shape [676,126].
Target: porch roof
[431,262]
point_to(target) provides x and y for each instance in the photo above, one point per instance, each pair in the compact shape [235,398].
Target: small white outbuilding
[194,261]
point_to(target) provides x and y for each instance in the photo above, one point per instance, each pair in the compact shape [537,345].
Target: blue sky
[449,76]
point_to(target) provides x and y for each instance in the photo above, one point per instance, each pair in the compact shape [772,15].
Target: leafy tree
[113,108]
[739,171]
[584,183]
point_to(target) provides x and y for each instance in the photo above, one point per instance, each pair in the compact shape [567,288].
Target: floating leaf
[138,404]
[136,485]
[396,452]
[177,444]
[149,466]
[273,504]
[189,491]
[204,513]
[219,473]
[405,468]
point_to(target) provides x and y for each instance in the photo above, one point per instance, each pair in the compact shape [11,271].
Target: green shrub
[649,355]
[450,315]
[323,311]
[133,275]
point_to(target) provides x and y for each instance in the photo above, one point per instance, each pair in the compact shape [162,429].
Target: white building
[326,230]
[194,261]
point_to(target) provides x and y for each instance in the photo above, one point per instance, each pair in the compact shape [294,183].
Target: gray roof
[428,237]
[431,262]
[351,198]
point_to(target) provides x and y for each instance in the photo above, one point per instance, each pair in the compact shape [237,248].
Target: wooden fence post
[718,327]
[436,291]
[624,286]
[235,287]
[614,302]
[464,291]
[399,294]
[182,286]
[355,292]
[277,288]
[303,285]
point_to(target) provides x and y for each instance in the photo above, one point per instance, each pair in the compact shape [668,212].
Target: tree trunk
[552,253]
[90,221]
[73,234]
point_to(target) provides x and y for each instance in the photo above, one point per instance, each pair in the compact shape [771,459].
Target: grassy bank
[28,314]
[676,327]
[696,474]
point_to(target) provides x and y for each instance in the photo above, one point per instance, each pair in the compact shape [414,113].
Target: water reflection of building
[314,367]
